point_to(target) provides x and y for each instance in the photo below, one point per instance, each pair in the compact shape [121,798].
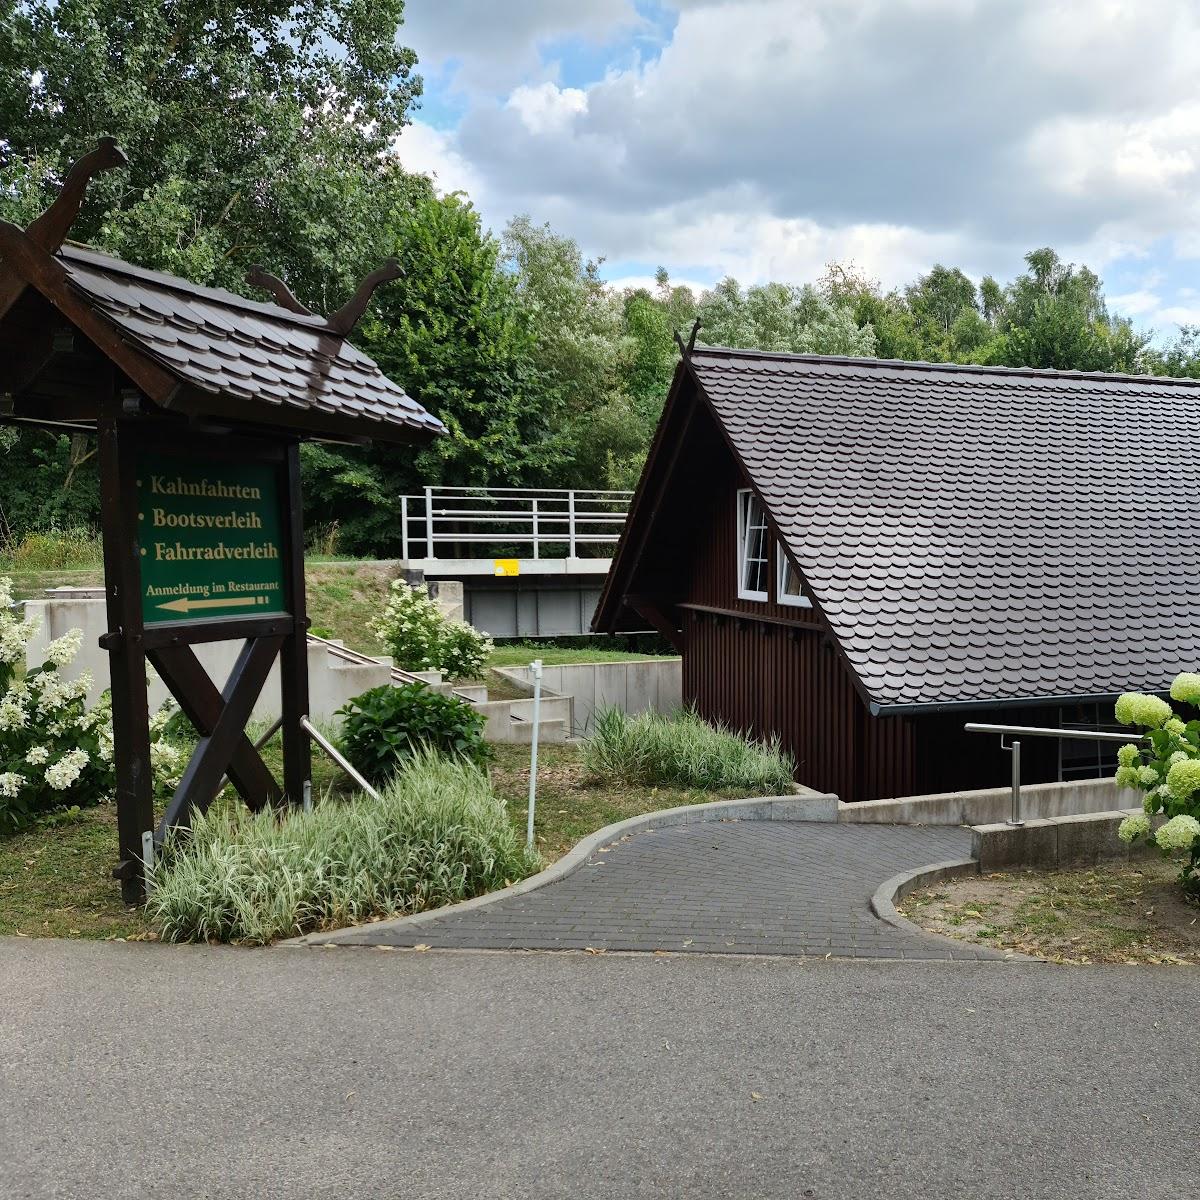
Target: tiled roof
[975,533]
[262,354]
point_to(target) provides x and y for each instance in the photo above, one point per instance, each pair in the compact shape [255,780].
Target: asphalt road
[147,1071]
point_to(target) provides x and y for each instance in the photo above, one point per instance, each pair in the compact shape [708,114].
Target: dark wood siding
[760,676]
[768,679]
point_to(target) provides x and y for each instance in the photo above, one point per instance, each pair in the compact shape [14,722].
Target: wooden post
[293,657]
[126,653]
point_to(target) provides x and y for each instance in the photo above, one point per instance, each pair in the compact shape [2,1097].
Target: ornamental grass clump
[1165,766]
[437,835]
[683,750]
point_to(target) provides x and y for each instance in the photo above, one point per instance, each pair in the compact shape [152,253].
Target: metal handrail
[1014,748]
[333,752]
[521,517]
[1082,735]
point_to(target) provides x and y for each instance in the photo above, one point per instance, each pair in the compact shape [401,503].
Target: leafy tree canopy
[255,131]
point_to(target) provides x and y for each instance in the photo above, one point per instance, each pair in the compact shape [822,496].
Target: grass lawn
[1123,913]
[55,879]
[522,654]
[569,805]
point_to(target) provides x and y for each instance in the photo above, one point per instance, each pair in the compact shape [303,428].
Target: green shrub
[388,724]
[54,549]
[421,638]
[684,751]
[55,750]
[1165,765]
[438,835]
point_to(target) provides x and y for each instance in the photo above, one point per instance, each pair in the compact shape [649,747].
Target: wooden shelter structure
[199,399]
[858,556]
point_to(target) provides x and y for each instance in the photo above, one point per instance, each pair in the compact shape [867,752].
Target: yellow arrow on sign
[185,605]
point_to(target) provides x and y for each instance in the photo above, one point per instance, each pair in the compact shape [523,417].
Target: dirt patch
[1124,913]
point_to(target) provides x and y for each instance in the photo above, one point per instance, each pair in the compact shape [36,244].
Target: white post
[536,667]
[571,522]
[404,527]
[535,527]
[430,549]
[148,859]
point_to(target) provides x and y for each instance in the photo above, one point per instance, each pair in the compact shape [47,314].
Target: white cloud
[428,151]
[494,44]
[545,108]
[769,137]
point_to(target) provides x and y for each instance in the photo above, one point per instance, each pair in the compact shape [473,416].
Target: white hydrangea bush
[1165,766]
[421,638]
[55,750]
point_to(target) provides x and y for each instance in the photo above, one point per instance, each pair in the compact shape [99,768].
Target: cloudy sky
[764,138]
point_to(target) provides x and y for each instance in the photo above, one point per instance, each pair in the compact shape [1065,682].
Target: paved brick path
[749,887]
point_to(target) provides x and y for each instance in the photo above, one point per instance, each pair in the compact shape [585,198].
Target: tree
[580,350]
[1180,357]
[1054,316]
[778,317]
[452,330]
[255,131]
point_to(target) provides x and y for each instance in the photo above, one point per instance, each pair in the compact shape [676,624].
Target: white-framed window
[753,568]
[787,582]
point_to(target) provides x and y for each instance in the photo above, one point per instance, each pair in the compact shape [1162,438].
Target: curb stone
[883,902]
[809,807]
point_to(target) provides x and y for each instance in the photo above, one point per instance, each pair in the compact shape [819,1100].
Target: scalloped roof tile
[979,533]
[217,343]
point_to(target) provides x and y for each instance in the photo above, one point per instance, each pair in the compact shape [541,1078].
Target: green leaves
[387,725]
[236,120]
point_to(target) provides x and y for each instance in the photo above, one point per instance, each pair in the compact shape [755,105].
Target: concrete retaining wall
[331,681]
[1083,839]
[633,687]
[990,805]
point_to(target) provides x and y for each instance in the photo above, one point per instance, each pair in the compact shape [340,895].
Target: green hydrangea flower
[1178,833]
[1186,688]
[1183,779]
[1126,777]
[1152,802]
[1147,776]
[1133,827]
[1175,726]
[1136,708]
[1129,755]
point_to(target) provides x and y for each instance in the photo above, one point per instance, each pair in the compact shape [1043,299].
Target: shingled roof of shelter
[978,533]
[283,365]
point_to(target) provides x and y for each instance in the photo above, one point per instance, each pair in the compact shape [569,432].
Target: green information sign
[211,540]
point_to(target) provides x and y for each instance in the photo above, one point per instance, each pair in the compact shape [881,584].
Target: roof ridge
[86,255]
[921,366]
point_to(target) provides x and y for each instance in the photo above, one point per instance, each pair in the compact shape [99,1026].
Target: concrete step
[521,732]
[554,708]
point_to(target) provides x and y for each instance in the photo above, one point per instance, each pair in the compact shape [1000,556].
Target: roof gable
[978,534]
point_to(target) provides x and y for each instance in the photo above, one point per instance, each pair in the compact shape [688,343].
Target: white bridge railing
[512,522]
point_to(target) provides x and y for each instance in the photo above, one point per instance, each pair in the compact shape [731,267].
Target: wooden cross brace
[220,718]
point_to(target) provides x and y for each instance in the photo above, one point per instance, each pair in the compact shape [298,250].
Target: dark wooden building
[859,556]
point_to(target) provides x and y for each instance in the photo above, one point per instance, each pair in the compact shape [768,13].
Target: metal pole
[535,527]
[330,749]
[430,549]
[571,523]
[404,527]
[536,667]
[1015,819]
